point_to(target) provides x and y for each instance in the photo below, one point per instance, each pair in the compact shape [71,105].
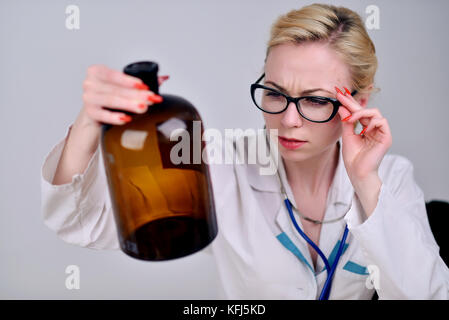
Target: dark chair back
[438,214]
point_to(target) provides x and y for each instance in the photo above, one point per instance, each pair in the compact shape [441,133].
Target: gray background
[212,50]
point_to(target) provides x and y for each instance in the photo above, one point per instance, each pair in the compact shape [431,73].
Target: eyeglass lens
[314,108]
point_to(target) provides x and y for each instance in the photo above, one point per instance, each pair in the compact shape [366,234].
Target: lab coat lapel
[278,219]
[286,226]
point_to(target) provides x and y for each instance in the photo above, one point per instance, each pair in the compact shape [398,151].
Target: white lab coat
[258,251]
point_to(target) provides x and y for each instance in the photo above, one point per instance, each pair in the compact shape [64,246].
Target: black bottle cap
[146,71]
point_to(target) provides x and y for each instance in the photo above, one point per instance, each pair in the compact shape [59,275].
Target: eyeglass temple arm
[263,75]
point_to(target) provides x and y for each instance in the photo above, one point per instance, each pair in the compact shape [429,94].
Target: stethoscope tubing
[328,284]
[330,270]
[314,246]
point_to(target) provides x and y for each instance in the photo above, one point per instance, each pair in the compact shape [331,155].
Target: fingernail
[141,86]
[126,118]
[155,98]
[363,131]
[347,91]
[347,118]
[339,91]
[141,106]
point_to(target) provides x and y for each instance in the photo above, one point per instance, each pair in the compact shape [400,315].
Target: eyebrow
[304,92]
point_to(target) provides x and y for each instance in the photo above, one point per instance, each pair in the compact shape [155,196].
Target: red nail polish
[363,131]
[347,91]
[347,118]
[141,106]
[339,91]
[126,118]
[141,86]
[155,98]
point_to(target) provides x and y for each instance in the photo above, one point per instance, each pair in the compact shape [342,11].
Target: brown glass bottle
[163,209]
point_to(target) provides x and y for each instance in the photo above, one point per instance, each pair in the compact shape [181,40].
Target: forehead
[301,66]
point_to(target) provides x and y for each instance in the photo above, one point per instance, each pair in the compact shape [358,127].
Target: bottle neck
[146,71]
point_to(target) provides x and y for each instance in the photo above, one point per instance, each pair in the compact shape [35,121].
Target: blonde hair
[342,29]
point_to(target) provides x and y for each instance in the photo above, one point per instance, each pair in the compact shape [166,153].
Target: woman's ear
[363,98]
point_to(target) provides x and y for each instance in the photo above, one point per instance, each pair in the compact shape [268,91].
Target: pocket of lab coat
[352,277]
[350,283]
[354,266]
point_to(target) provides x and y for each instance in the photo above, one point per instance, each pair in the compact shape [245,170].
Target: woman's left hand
[362,153]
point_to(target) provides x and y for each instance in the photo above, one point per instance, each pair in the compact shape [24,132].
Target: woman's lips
[290,143]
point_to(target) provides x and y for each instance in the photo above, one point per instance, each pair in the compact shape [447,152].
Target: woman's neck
[313,176]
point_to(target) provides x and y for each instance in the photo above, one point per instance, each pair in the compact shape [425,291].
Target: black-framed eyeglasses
[313,108]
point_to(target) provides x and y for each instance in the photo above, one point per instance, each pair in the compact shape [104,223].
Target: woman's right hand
[105,87]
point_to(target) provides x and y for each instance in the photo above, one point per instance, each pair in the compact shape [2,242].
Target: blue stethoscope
[330,269]
[325,292]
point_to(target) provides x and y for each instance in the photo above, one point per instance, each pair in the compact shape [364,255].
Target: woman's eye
[317,101]
[272,94]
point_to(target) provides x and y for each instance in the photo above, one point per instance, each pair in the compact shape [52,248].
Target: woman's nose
[291,116]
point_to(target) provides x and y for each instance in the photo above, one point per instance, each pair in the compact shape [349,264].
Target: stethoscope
[325,292]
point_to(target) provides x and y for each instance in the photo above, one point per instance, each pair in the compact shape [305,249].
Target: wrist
[366,182]
[85,134]
[85,122]
[367,190]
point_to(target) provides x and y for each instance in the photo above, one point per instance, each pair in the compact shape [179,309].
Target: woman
[361,206]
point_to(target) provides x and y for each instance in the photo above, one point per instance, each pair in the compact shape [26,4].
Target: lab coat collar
[340,192]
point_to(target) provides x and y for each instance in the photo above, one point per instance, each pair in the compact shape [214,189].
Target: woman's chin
[292,155]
